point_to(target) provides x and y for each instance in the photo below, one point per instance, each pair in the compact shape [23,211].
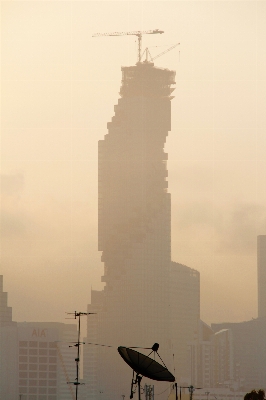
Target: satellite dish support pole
[139,380]
[176,392]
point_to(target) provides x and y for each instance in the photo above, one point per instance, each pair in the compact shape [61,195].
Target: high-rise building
[222,369]
[200,356]
[135,221]
[261,262]
[142,299]
[184,315]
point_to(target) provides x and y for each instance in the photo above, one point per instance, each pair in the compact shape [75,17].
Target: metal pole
[77,383]
[139,380]
[139,40]
[191,391]
[176,393]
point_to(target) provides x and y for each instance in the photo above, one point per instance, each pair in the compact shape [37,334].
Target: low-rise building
[46,362]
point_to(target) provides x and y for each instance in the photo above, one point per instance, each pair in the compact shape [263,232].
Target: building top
[5,311]
[144,79]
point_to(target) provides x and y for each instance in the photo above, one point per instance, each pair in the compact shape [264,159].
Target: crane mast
[135,33]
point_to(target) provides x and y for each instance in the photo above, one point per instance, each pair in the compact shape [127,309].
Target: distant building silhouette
[185,314]
[212,358]
[249,352]
[146,298]
[8,349]
[248,338]
[261,263]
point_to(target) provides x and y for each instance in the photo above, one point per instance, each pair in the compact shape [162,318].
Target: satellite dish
[144,365]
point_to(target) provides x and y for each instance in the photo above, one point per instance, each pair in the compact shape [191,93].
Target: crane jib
[136,33]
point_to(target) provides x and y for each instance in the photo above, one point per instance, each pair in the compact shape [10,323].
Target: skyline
[49,192]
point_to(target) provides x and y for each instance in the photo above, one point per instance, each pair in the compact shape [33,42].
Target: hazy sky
[59,88]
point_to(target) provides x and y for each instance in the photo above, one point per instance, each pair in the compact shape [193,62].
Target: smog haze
[59,87]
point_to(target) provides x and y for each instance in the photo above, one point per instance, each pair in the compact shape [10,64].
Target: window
[32,390]
[43,344]
[52,367]
[52,375]
[52,353]
[32,382]
[43,359]
[23,358]
[33,352]
[32,359]
[42,375]
[23,344]
[52,345]
[42,390]
[23,367]
[33,367]
[52,360]
[23,375]
[52,383]
[23,382]
[42,367]
[52,391]
[32,375]
[23,351]
[33,344]
[43,352]
[42,382]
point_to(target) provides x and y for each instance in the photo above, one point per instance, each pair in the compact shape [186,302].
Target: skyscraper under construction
[134,309]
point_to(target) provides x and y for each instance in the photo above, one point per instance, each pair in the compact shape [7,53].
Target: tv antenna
[143,365]
[136,33]
[77,344]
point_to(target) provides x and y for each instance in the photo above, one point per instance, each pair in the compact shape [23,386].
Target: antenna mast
[77,344]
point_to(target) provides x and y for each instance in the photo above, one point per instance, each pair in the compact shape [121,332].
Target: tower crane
[136,33]
[166,51]
[158,55]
